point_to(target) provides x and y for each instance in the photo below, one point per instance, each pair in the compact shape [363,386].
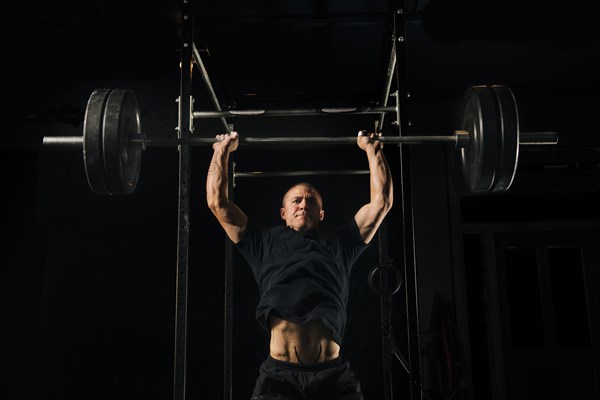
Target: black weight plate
[481,120]
[122,160]
[509,145]
[93,158]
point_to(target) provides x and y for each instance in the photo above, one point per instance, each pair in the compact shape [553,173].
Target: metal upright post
[408,240]
[184,130]
[228,320]
[386,312]
[386,303]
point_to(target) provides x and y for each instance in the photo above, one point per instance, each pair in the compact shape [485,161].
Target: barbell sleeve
[538,138]
[62,142]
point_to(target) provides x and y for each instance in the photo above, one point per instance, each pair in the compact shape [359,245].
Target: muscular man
[302,272]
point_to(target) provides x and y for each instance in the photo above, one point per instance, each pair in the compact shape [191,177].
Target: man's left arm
[369,217]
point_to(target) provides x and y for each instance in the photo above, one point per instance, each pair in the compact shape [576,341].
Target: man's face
[302,208]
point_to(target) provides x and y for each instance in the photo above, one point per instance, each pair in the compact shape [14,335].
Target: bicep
[233,220]
[368,218]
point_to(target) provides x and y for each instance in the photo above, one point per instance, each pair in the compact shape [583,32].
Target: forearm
[381,186]
[369,217]
[217,181]
[231,218]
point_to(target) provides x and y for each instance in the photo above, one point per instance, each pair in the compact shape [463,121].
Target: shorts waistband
[336,362]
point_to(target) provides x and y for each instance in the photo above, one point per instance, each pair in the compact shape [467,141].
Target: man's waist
[302,343]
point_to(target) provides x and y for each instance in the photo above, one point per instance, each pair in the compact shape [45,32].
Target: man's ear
[282,213]
[321,215]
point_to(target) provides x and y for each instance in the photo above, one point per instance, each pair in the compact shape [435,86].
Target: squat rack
[397,70]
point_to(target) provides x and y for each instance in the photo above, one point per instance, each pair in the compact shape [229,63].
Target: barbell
[488,141]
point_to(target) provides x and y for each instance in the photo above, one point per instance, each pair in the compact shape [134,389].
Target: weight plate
[122,160]
[93,157]
[481,120]
[509,145]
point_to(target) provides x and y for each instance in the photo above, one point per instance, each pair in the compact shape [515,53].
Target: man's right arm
[230,216]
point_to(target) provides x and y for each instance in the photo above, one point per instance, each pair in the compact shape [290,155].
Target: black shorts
[329,380]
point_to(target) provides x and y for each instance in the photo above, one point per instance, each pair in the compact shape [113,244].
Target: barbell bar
[488,141]
[459,139]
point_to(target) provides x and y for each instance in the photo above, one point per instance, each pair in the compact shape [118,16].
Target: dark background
[88,282]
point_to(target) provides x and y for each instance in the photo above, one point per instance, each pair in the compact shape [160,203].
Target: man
[302,273]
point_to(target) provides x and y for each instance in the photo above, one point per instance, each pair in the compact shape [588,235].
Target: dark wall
[88,282]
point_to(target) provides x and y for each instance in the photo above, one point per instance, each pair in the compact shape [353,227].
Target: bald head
[302,207]
[307,185]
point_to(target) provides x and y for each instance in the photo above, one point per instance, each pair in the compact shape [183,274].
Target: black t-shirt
[303,277]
